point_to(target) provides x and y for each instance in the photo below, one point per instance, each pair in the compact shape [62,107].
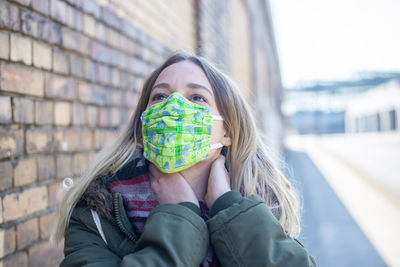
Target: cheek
[217,131]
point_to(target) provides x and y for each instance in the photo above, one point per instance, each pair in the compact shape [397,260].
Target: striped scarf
[139,200]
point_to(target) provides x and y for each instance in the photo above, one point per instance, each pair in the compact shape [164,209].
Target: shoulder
[81,216]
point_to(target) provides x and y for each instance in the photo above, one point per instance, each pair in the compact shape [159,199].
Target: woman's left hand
[219,181]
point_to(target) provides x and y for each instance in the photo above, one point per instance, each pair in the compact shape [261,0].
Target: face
[189,80]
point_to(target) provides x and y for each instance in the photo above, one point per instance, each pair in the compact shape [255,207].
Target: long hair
[249,163]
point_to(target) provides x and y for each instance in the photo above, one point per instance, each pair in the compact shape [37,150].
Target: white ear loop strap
[217,118]
[217,145]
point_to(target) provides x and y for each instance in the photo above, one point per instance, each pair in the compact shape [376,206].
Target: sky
[335,39]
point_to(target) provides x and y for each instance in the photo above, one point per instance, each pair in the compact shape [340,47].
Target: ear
[226,140]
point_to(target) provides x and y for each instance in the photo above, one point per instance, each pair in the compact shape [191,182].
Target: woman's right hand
[171,188]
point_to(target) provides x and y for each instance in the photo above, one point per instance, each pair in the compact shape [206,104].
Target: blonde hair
[248,161]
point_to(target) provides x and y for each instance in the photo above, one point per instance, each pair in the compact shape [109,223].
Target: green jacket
[242,231]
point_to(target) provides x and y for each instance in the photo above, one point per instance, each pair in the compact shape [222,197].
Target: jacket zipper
[119,221]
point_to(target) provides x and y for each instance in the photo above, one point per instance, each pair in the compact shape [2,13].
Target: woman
[188,183]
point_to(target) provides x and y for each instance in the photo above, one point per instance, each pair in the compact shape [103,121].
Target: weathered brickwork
[71,72]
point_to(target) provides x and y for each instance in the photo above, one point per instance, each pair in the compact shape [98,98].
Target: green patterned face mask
[177,133]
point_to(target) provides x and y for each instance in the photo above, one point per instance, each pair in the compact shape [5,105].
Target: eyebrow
[189,85]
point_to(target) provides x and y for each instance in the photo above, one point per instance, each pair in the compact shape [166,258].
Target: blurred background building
[340,71]
[327,107]
[71,72]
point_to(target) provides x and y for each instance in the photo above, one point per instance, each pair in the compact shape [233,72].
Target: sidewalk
[363,171]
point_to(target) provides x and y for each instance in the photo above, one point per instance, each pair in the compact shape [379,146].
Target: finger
[154,170]
[221,158]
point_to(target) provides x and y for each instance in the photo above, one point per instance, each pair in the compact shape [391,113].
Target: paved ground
[329,232]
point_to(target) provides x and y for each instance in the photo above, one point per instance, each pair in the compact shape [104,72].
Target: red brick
[45,254]
[9,17]
[86,140]
[89,69]
[6,174]
[24,2]
[78,114]
[123,61]
[60,61]
[102,74]
[84,45]
[103,138]
[11,143]
[41,55]
[62,113]
[123,80]
[126,116]
[21,48]
[22,80]
[101,31]
[115,116]
[77,66]
[90,93]
[58,141]
[44,112]
[46,167]
[41,6]
[89,25]
[40,27]
[115,97]
[113,38]
[64,166]
[115,77]
[39,140]
[91,7]
[5,45]
[74,18]
[131,99]
[125,44]
[46,223]
[58,86]
[27,233]
[19,259]
[55,194]
[20,204]
[81,162]
[57,10]
[92,116]
[119,60]
[67,140]
[25,172]
[24,110]
[100,52]
[72,139]
[70,39]
[5,109]
[7,241]
[111,18]
[104,117]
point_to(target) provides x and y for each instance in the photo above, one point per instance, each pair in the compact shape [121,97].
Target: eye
[198,98]
[159,97]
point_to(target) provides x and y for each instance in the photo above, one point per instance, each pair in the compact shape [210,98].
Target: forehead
[182,73]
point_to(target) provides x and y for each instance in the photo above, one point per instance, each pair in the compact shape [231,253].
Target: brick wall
[240,55]
[70,75]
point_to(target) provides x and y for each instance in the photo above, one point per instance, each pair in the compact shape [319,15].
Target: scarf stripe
[139,200]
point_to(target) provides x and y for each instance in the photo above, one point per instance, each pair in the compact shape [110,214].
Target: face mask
[177,133]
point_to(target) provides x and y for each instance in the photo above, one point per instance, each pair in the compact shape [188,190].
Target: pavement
[351,215]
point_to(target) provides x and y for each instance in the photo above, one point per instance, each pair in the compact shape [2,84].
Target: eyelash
[158,95]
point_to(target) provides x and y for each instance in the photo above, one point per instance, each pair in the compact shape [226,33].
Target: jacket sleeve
[244,232]
[83,245]
[174,235]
